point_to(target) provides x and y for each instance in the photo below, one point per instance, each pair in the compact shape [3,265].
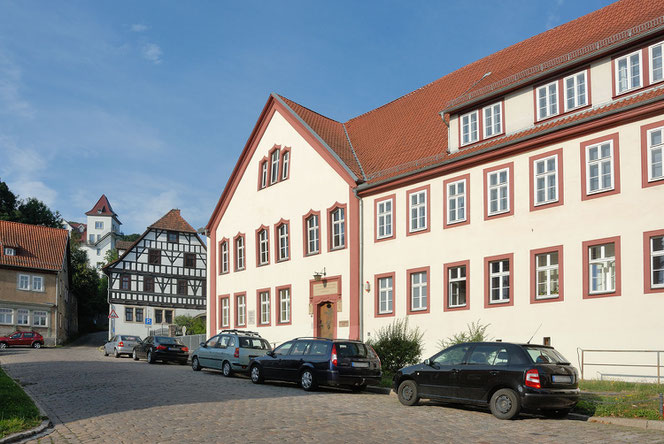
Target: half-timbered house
[159,277]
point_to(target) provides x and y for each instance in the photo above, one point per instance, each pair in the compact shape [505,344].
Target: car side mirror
[427,362]
[203,344]
[270,354]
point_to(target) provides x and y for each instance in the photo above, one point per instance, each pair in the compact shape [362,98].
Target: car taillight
[162,347]
[120,344]
[533,379]
[376,355]
[237,352]
[185,349]
[334,355]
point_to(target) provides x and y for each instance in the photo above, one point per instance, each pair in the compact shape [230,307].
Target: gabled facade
[99,234]
[160,276]
[521,190]
[35,282]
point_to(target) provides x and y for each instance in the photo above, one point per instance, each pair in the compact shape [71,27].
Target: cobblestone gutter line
[630,422]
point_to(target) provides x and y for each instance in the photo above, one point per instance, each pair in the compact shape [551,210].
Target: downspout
[57,304]
[361,271]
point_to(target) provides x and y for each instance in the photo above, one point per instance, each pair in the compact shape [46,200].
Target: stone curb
[21,436]
[648,424]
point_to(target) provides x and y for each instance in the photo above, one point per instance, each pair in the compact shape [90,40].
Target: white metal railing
[583,363]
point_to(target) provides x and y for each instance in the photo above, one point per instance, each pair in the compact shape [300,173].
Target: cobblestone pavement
[92,398]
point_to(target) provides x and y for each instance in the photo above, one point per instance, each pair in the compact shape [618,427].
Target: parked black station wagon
[506,377]
[319,361]
[161,348]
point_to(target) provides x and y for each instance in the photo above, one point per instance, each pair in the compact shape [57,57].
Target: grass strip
[619,399]
[17,411]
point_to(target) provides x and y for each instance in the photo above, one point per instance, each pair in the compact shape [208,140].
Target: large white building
[523,190]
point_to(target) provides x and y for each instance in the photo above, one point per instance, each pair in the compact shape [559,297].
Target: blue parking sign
[148,321]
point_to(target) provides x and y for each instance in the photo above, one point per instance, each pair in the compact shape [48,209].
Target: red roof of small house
[36,246]
[174,222]
[102,208]
[123,245]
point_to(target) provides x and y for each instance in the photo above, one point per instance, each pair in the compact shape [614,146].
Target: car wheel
[36,345]
[256,374]
[134,355]
[105,352]
[3,345]
[557,413]
[226,369]
[195,364]
[409,393]
[505,404]
[151,359]
[307,380]
[115,353]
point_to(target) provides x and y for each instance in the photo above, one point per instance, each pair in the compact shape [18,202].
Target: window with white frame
[264,307]
[602,268]
[99,225]
[657,262]
[385,295]
[498,187]
[274,167]
[239,253]
[224,257]
[418,211]
[499,281]
[418,291]
[283,242]
[313,238]
[456,201]
[547,100]
[6,316]
[384,218]
[285,159]
[24,282]
[225,312]
[23,317]
[241,306]
[628,72]
[469,132]
[9,251]
[656,73]
[493,120]
[546,275]
[284,305]
[37,283]
[39,318]
[599,167]
[576,91]
[655,150]
[546,180]
[338,228]
[263,247]
[98,251]
[456,286]
[263,174]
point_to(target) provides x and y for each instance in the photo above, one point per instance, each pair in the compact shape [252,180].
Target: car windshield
[351,350]
[131,338]
[166,340]
[255,343]
[544,355]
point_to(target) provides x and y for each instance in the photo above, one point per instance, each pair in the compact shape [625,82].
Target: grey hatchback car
[230,351]
[121,345]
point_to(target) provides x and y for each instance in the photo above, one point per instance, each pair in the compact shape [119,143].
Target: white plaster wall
[630,321]
[312,184]
[120,326]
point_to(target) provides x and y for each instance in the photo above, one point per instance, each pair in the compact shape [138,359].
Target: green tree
[476,332]
[88,287]
[8,202]
[195,326]
[397,345]
[129,237]
[111,255]
[28,211]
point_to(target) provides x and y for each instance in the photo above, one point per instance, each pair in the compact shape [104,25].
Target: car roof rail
[313,337]
[245,332]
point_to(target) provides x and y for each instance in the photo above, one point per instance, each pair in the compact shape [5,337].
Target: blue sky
[152,102]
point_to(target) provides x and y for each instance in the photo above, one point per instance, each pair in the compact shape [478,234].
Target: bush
[195,326]
[476,333]
[397,345]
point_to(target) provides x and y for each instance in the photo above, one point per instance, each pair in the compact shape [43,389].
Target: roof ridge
[32,225]
[308,109]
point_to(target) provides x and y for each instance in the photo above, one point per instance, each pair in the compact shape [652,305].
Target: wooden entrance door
[326,320]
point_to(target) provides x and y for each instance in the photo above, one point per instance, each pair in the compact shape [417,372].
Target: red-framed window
[482,124]
[240,256]
[384,289]
[636,69]
[282,250]
[274,163]
[499,280]
[600,167]
[284,166]
[337,223]
[456,201]
[283,305]
[240,309]
[419,290]
[566,94]
[225,311]
[653,261]
[384,211]
[546,275]
[224,256]
[456,288]
[601,268]
[499,191]
[652,154]
[263,307]
[262,246]
[263,173]
[546,180]
[311,244]
[418,210]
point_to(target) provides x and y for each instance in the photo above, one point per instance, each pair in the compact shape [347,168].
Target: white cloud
[11,101]
[22,170]
[152,52]
[34,188]
[139,27]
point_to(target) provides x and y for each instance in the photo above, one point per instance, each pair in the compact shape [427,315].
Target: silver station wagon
[121,345]
[230,351]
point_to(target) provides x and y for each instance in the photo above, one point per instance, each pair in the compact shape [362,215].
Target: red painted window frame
[561,94]
[510,175]
[533,274]
[409,290]
[614,137]
[277,319]
[263,161]
[258,245]
[258,306]
[305,233]
[559,172]
[586,272]
[393,198]
[647,288]
[426,188]
[645,71]
[480,123]
[446,182]
[221,314]
[221,261]
[244,241]
[235,313]
[644,155]
[377,313]
[446,286]
[269,165]
[278,225]
[330,231]
[284,150]
[487,279]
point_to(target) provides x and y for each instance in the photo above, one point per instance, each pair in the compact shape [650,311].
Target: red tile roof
[102,208]
[123,245]
[410,131]
[37,246]
[174,222]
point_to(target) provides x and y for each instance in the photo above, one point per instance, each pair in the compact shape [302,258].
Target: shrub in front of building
[397,345]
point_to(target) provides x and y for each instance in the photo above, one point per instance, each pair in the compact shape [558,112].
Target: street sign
[148,321]
[113,315]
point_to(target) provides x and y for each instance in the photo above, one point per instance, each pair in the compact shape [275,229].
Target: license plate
[174,349]
[360,364]
[560,378]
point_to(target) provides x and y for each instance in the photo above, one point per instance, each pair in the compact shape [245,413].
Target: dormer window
[656,69]
[469,133]
[482,124]
[493,120]
[547,100]
[9,251]
[99,211]
[628,72]
[576,91]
